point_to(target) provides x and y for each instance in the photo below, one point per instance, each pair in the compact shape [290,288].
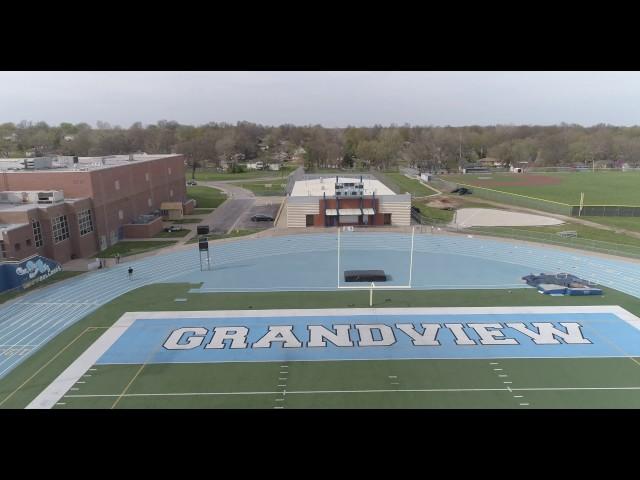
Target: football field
[271,325]
[137,370]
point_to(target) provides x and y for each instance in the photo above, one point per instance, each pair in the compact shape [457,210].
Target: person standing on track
[130,273]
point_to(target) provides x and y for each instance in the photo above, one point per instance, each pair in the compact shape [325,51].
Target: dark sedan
[261,218]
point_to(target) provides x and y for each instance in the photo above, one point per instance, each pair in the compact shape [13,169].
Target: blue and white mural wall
[27,273]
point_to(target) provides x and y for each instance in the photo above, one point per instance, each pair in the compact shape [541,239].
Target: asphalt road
[245,219]
[226,215]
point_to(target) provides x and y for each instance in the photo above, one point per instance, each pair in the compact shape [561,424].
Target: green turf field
[600,188]
[539,383]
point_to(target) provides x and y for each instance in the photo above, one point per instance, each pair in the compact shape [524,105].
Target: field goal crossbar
[373,286]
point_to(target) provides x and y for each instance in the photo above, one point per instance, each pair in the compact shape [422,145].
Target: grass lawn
[206,197]
[179,234]
[435,214]
[272,187]
[627,223]
[403,184]
[126,248]
[63,275]
[588,238]
[600,188]
[215,176]
[187,220]
[26,381]
[234,233]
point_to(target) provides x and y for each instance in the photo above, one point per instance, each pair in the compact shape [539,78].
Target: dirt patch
[486,217]
[444,202]
[526,180]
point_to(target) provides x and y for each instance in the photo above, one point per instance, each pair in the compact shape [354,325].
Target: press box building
[346,201]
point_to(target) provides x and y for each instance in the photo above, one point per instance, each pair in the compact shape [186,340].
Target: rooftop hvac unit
[45,197]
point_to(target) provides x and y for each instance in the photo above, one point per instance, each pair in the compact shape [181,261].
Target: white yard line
[429,311]
[320,392]
[61,385]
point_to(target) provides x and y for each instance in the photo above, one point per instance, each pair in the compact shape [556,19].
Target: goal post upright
[338,256]
[371,294]
[413,231]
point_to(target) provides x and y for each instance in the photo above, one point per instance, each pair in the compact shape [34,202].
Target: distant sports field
[600,188]
[591,366]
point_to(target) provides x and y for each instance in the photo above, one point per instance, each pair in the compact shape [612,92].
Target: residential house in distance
[255,165]
[519,167]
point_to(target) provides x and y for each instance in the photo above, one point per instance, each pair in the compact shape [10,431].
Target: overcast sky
[333,99]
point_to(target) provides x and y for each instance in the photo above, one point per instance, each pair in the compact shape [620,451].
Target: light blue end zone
[144,341]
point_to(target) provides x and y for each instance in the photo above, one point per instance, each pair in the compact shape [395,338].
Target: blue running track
[300,262]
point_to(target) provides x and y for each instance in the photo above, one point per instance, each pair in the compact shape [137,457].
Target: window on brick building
[28,242]
[16,247]
[85,222]
[60,228]
[37,232]
[3,250]
[117,184]
[146,176]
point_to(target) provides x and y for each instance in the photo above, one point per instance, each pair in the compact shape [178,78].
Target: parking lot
[265,209]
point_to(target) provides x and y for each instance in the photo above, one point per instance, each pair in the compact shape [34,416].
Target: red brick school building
[66,207]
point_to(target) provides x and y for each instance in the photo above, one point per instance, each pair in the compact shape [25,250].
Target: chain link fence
[605,211]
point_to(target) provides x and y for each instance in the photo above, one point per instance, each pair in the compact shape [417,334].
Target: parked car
[261,218]
[173,228]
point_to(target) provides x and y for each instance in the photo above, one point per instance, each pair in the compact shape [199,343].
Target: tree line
[379,147]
